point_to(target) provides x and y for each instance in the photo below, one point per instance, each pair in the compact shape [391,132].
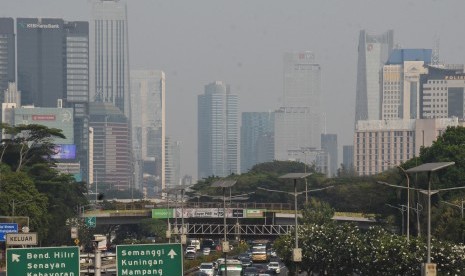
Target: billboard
[64,152]
[255,213]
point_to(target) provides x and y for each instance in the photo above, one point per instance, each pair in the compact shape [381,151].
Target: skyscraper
[298,122]
[7,53]
[111,53]
[373,52]
[173,163]
[41,62]
[148,125]
[53,70]
[329,145]
[218,131]
[256,146]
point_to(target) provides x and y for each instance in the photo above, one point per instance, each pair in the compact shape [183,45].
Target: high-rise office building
[111,53]
[41,62]
[298,122]
[256,130]
[148,126]
[442,92]
[111,149]
[373,52]
[400,97]
[329,145]
[218,131]
[53,71]
[77,86]
[173,163]
[348,157]
[7,53]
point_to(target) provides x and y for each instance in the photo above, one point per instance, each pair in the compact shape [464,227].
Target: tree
[21,198]
[28,144]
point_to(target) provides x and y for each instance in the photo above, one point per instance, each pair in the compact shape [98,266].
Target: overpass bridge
[206,218]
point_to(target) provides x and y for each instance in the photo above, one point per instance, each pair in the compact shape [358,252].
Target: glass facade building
[373,52]
[257,133]
[7,53]
[218,131]
[148,125]
[111,53]
[298,123]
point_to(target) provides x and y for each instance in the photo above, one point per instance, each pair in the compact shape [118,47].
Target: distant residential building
[373,52]
[257,132]
[111,53]
[298,123]
[380,144]
[348,157]
[111,149]
[401,83]
[442,92]
[7,53]
[148,126]
[173,163]
[218,131]
[12,94]
[329,145]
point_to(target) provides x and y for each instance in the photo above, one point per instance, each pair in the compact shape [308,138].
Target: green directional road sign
[42,261]
[149,259]
[91,222]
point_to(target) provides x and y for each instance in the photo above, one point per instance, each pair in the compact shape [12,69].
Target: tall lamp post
[225,245]
[182,189]
[429,168]
[408,196]
[297,252]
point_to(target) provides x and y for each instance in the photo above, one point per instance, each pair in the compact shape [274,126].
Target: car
[206,251]
[190,255]
[246,262]
[274,266]
[199,273]
[242,256]
[207,268]
[250,271]
[190,249]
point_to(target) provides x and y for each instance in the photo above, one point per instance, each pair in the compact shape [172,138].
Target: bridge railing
[235,205]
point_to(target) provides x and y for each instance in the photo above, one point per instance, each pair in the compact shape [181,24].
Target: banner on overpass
[207,213]
[162,213]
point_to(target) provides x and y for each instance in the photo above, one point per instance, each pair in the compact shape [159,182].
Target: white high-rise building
[148,126]
[173,163]
[373,52]
[298,123]
[218,131]
[400,97]
[110,53]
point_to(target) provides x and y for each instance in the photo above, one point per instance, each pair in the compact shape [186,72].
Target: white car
[207,268]
[190,249]
[206,251]
[274,266]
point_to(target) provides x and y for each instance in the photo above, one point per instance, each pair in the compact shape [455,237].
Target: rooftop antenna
[324,123]
[435,53]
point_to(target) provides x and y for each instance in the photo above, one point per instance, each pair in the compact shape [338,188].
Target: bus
[234,268]
[260,251]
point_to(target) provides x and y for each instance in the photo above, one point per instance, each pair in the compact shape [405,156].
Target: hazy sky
[242,41]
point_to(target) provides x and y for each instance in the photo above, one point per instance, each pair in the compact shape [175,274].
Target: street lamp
[182,188]
[402,209]
[429,168]
[297,252]
[225,245]
[408,196]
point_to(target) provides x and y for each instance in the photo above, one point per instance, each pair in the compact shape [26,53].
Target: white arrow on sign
[172,254]
[15,258]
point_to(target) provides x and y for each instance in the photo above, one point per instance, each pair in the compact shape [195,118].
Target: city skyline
[245,45]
